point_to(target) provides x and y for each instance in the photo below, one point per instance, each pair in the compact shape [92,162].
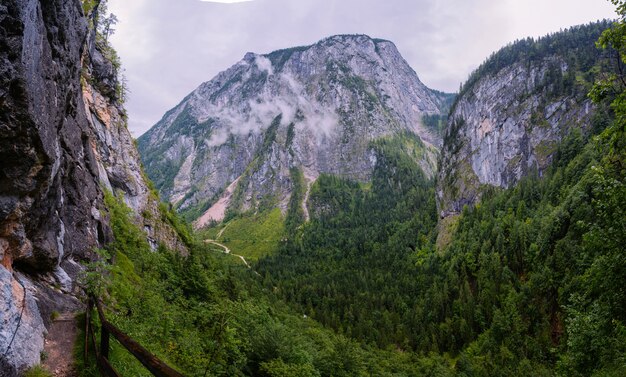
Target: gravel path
[227,251]
[59,346]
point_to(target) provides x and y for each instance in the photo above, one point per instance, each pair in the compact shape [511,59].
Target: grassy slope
[253,236]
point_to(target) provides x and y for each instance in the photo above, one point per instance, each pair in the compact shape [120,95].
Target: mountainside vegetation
[533,273]
[206,314]
[351,267]
[575,45]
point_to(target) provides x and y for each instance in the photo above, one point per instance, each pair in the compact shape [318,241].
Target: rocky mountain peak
[313,108]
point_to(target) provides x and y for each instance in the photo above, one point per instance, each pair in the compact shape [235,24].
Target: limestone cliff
[62,141]
[234,141]
[514,110]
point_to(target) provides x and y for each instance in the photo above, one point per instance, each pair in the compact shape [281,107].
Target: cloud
[226,1]
[264,64]
[257,113]
[218,138]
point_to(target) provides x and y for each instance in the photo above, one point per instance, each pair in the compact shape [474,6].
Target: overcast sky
[169,47]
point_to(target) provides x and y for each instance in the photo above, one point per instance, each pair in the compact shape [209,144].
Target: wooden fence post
[150,361]
[87,320]
[86,350]
[104,342]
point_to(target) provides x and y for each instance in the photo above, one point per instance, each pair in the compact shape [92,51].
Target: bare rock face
[48,176]
[61,142]
[21,324]
[513,113]
[49,193]
[119,168]
[314,108]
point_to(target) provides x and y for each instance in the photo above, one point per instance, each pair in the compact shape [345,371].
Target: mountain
[234,142]
[514,110]
[63,145]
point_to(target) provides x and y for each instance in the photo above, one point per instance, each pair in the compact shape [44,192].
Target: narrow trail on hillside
[219,234]
[309,178]
[59,346]
[305,209]
[227,251]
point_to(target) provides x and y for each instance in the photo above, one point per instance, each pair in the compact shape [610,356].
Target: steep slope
[62,142]
[533,277]
[512,113]
[314,108]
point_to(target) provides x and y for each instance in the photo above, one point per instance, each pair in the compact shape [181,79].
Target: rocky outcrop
[61,142]
[315,108]
[22,325]
[119,168]
[512,114]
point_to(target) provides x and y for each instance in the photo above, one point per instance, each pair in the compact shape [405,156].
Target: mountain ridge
[315,108]
[513,112]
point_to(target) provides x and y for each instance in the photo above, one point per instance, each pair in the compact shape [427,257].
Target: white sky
[169,47]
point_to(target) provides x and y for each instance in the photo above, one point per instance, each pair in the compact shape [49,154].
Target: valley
[315,210]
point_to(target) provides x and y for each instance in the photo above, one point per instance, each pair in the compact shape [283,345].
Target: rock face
[119,167]
[20,316]
[511,115]
[61,141]
[314,108]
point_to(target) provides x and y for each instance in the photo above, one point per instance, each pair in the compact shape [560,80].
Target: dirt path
[219,234]
[305,209]
[227,251]
[59,346]
[309,177]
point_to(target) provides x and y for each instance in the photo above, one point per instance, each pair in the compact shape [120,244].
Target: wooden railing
[151,362]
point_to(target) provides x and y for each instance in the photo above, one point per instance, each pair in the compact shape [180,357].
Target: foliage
[295,212]
[101,27]
[128,236]
[215,317]
[88,367]
[435,122]
[280,57]
[183,230]
[529,282]
[37,371]
[95,276]
[89,5]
